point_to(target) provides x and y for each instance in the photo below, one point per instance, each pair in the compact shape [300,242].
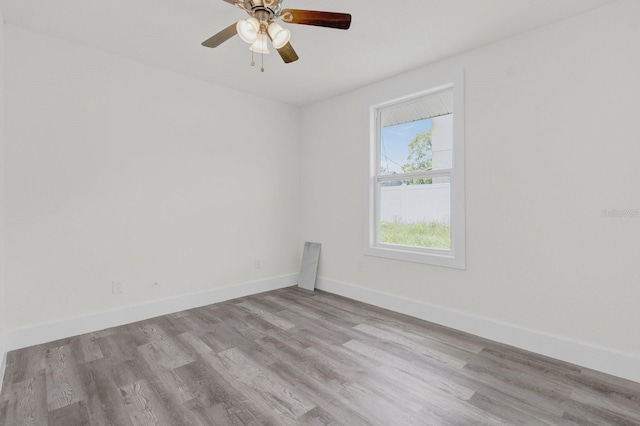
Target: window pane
[416,213]
[405,147]
[416,146]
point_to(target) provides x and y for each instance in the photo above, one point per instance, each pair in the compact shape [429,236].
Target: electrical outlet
[360,266]
[116,287]
[257,263]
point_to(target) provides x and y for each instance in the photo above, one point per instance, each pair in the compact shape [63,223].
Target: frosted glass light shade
[248,29]
[279,35]
[260,45]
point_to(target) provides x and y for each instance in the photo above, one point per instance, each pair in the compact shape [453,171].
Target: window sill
[405,254]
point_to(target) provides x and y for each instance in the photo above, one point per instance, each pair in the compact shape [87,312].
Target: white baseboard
[47,332]
[596,358]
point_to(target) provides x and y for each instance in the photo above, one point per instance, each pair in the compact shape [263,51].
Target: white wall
[120,171]
[552,139]
[2,232]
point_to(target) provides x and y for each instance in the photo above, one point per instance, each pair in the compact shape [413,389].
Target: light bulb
[248,29]
[260,45]
[279,36]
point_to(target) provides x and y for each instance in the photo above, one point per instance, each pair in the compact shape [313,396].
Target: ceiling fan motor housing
[272,7]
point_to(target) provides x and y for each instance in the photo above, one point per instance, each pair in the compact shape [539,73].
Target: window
[416,178]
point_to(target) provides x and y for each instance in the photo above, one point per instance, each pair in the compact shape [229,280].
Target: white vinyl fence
[416,203]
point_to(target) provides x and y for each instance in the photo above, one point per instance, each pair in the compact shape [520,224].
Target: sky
[395,143]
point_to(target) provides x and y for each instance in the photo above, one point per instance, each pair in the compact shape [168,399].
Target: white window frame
[456,257]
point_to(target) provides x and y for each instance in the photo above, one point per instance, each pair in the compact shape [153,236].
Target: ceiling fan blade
[340,21]
[287,53]
[221,37]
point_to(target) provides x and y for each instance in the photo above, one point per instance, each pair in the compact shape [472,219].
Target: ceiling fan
[261,26]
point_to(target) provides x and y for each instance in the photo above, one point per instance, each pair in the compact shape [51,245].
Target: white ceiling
[386,37]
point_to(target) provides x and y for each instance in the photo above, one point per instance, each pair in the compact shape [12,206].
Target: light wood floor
[292,357]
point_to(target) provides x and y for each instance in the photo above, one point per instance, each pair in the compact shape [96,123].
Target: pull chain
[253,62]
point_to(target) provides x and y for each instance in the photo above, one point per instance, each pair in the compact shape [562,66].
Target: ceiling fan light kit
[248,29]
[279,36]
[260,45]
[261,26]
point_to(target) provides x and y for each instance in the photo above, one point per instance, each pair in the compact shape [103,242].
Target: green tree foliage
[420,157]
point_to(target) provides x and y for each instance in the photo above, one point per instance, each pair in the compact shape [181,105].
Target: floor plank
[27,401]
[64,386]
